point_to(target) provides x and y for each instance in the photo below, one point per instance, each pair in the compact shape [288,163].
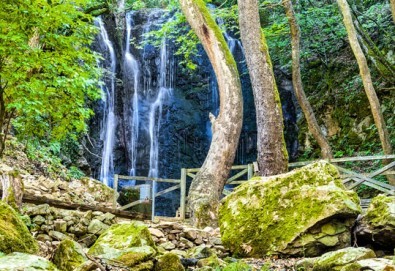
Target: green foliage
[47,70]
[75,173]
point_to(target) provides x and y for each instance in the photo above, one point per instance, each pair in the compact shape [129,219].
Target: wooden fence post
[114,203]
[183,191]
[250,171]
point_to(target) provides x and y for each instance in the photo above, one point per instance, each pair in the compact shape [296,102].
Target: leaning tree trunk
[308,112]
[272,153]
[366,80]
[206,188]
[12,186]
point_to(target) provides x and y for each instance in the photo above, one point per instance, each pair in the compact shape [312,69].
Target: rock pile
[178,239]
[51,225]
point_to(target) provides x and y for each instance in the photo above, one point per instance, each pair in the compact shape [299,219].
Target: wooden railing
[179,184]
[242,173]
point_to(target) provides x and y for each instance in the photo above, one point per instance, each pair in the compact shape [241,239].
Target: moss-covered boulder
[377,227]
[336,260]
[19,261]
[130,244]
[69,255]
[305,212]
[169,262]
[14,235]
[348,259]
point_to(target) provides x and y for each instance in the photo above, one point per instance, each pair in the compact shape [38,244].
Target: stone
[60,225]
[377,226]
[43,237]
[21,261]
[272,215]
[157,233]
[58,235]
[69,255]
[42,209]
[212,261]
[88,240]
[14,235]
[336,259]
[200,252]
[38,220]
[97,227]
[130,244]
[168,245]
[169,262]
[191,234]
[374,264]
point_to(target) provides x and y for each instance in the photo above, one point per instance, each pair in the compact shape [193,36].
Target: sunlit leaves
[47,70]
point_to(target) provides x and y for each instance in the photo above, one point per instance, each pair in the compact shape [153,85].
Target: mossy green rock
[14,235]
[130,244]
[285,214]
[69,255]
[377,227]
[19,261]
[374,264]
[169,262]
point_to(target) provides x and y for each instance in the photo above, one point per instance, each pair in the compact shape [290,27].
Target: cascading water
[131,68]
[109,121]
[165,91]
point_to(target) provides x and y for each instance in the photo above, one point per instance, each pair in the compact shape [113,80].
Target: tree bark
[326,151]
[12,186]
[392,3]
[272,153]
[207,186]
[366,80]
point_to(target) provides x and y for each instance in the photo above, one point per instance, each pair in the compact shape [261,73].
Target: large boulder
[69,255]
[305,212]
[14,235]
[130,244]
[20,261]
[377,227]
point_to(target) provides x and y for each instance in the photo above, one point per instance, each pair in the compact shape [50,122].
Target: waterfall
[131,67]
[165,91]
[109,121]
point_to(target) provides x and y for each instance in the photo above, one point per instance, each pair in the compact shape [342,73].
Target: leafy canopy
[47,70]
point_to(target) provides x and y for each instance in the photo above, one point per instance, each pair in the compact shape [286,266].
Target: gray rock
[20,261]
[97,227]
[38,220]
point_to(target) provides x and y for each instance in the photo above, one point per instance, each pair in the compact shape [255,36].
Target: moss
[379,212]
[129,243]
[237,266]
[14,235]
[212,261]
[265,215]
[169,262]
[331,260]
[230,61]
[69,255]
[146,266]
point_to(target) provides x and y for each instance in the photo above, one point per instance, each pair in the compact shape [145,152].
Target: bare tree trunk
[206,188]
[366,79]
[12,186]
[392,3]
[272,153]
[308,112]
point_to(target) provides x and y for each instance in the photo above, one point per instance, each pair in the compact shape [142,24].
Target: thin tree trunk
[272,153]
[308,112]
[366,80]
[392,3]
[12,186]
[206,188]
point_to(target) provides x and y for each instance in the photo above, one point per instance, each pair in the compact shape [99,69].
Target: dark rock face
[185,130]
